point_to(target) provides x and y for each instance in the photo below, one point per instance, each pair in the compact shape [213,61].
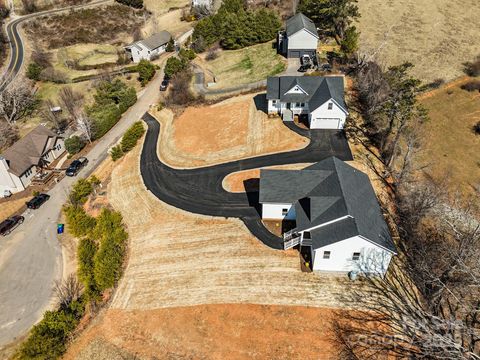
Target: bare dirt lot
[229,130]
[437,36]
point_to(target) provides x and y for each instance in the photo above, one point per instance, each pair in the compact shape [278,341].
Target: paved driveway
[200,190]
[292,67]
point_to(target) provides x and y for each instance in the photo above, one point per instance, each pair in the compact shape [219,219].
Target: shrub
[476,128]
[131,136]
[473,68]
[79,223]
[212,54]
[471,85]
[187,54]
[86,251]
[74,144]
[116,152]
[136,4]
[80,191]
[174,65]
[170,45]
[180,93]
[349,43]
[33,71]
[146,71]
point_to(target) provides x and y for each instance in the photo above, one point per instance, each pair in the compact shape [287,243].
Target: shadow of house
[261,103]
[252,190]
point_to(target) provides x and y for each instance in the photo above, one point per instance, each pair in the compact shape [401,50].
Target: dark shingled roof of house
[27,151]
[327,191]
[299,22]
[156,40]
[318,90]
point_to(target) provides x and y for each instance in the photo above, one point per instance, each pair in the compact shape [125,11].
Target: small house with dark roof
[148,48]
[338,220]
[321,99]
[24,159]
[299,38]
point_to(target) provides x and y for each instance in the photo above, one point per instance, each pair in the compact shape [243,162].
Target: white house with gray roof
[299,38]
[320,98]
[23,160]
[338,220]
[148,48]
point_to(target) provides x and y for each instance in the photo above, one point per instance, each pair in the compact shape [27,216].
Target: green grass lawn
[451,148]
[251,64]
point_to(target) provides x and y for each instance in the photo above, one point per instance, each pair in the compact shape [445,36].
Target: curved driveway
[16,44]
[200,190]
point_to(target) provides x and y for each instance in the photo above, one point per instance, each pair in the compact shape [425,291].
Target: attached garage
[326,123]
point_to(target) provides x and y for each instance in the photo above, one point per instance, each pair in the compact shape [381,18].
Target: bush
[471,85]
[47,339]
[146,71]
[174,65]
[476,128]
[187,54]
[79,223]
[212,54]
[136,4]
[33,71]
[80,191]
[86,251]
[473,68]
[116,152]
[131,136]
[170,45]
[349,43]
[74,144]
[180,93]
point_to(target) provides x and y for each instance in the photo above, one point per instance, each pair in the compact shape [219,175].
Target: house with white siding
[321,99]
[299,38]
[148,48]
[23,160]
[338,221]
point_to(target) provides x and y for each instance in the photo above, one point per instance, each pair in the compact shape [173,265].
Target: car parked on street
[76,166]
[37,201]
[7,226]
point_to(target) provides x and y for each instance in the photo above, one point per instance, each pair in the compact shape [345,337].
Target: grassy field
[437,36]
[158,7]
[251,64]
[451,148]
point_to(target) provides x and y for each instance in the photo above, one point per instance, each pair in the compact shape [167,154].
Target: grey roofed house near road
[299,22]
[156,40]
[299,39]
[329,191]
[146,49]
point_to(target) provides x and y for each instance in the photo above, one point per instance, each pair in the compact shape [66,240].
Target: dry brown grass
[437,36]
[10,207]
[230,130]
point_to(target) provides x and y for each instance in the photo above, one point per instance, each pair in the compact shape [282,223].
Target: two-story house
[23,160]
[320,98]
[299,38]
[148,48]
[337,216]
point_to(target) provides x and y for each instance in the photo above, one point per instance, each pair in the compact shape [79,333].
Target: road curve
[16,43]
[200,190]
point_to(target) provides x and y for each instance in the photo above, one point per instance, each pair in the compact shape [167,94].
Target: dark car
[37,201]
[76,166]
[164,85]
[303,68]
[8,225]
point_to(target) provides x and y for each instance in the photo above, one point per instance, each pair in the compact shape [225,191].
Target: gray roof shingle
[319,89]
[299,22]
[154,41]
[326,191]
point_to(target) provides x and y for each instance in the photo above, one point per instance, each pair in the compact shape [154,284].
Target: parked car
[11,223]
[304,68]
[164,85]
[76,166]
[325,67]
[306,60]
[37,201]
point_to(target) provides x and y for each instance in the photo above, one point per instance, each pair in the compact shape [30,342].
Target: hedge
[131,136]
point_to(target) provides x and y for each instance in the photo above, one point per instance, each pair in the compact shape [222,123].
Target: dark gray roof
[318,90]
[299,22]
[331,190]
[155,41]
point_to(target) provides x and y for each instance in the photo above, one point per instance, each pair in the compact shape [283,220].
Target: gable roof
[299,22]
[154,41]
[331,190]
[319,89]
[27,151]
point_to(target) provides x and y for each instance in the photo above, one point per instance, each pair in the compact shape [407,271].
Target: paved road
[30,257]
[200,190]
[16,43]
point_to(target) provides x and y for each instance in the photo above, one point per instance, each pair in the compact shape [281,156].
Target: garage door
[294,54]
[325,123]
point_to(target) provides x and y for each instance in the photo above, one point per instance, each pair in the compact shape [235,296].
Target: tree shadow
[252,189]
[261,103]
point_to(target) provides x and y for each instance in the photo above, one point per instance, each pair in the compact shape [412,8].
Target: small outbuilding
[148,48]
[299,38]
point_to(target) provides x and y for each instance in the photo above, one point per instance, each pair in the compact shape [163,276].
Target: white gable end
[296,90]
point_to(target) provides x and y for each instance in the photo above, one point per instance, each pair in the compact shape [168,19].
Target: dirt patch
[211,332]
[437,36]
[11,207]
[230,130]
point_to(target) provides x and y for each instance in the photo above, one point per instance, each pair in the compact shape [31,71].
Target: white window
[330,106]
[356,256]
[326,254]
[284,212]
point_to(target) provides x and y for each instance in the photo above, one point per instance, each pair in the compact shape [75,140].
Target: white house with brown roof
[147,48]
[24,159]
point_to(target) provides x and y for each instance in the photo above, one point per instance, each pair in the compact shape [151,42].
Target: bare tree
[86,126]
[68,290]
[8,134]
[41,57]
[16,102]
[71,100]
